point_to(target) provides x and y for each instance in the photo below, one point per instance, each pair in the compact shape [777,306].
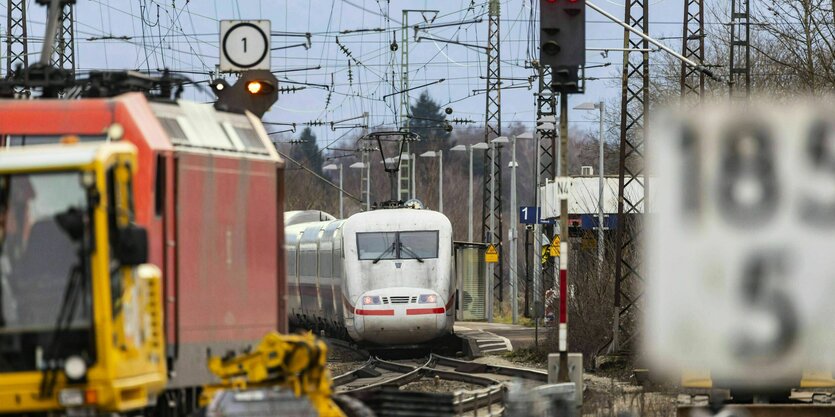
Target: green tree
[307,151]
[428,121]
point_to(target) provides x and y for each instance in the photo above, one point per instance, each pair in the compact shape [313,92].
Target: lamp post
[513,234]
[490,267]
[440,155]
[600,250]
[469,148]
[362,165]
[332,167]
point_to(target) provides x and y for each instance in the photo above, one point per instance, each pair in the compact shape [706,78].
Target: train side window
[250,138]
[172,127]
[159,186]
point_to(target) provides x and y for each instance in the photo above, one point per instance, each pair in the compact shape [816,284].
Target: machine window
[418,245]
[24,140]
[42,280]
[377,245]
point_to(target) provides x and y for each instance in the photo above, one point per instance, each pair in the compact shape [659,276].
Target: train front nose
[404,315]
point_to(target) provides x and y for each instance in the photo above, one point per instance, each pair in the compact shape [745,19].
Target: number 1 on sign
[244,41]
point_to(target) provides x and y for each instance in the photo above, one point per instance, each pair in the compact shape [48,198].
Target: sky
[183,36]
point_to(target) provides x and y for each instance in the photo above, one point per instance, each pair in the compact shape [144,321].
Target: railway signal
[563,41]
[256,91]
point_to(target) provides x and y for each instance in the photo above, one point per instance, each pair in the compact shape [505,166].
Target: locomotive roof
[184,125]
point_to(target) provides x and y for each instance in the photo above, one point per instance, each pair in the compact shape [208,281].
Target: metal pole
[53,16]
[528,285]
[563,329]
[341,195]
[470,200]
[413,163]
[441,181]
[536,291]
[600,250]
[368,186]
[514,276]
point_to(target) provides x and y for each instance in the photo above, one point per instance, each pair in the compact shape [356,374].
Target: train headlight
[75,368]
[427,299]
[371,300]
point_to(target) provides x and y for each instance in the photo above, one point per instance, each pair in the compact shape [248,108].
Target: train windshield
[418,245]
[398,245]
[41,278]
[377,245]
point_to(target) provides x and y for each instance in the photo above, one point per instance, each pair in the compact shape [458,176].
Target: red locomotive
[209,191]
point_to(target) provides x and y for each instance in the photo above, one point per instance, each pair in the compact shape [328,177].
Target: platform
[497,337]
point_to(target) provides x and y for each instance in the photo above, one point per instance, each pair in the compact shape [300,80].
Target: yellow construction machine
[284,374]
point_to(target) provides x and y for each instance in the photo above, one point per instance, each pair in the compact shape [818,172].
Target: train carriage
[384,277]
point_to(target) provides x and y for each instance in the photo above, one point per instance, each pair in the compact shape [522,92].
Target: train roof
[397,219]
[183,125]
[306,216]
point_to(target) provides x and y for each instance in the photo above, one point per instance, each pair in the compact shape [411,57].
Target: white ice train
[385,276]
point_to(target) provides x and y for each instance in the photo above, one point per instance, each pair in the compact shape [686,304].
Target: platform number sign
[244,45]
[533,215]
[741,243]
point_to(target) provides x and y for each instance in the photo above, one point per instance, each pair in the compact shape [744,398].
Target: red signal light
[552,1]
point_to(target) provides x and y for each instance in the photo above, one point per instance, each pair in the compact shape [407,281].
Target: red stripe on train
[437,310]
[360,312]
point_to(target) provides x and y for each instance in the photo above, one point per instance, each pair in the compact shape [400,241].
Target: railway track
[439,385]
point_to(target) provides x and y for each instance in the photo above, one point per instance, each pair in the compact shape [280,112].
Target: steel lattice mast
[693,47]
[492,196]
[633,111]
[404,181]
[17,51]
[546,168]
[64,54]
[740,59]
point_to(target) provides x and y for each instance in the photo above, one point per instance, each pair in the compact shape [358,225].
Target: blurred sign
[555,246]
[562,188]
[741,272]
[533,215]
[492,255]
[552,193]
[244,45]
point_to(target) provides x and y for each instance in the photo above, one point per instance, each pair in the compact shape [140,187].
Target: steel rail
[523,373]
[408,374]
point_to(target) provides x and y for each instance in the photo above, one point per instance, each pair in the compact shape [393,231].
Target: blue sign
[531,215]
